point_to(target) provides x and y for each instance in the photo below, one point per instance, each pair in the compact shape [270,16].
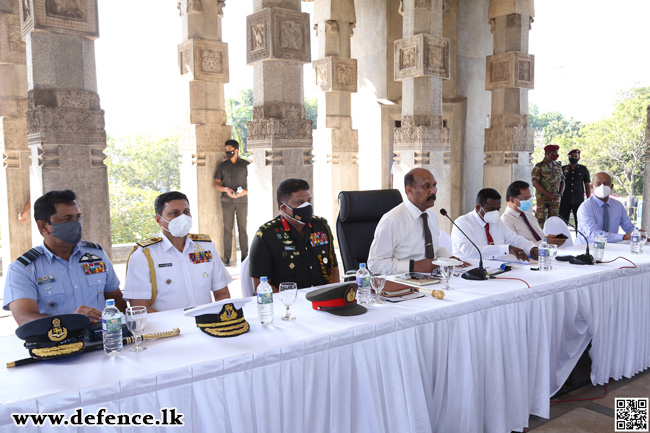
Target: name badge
[164,265]
[94,268]
[201,257]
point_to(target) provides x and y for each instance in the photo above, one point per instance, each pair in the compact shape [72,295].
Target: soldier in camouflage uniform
[549,184]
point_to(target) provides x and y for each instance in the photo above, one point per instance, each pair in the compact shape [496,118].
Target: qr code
[631,414]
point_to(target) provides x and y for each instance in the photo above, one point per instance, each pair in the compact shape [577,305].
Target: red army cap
[551,148]
[574,151]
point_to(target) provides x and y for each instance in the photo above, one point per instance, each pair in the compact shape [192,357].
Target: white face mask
[602,191]
[179,226]
[491,217]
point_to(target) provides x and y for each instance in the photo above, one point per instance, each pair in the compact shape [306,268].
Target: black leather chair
[359,214]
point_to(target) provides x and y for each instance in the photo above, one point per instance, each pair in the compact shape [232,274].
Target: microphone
[582,259]
[477,273]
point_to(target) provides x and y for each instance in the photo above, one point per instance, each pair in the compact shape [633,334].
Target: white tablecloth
[482,359]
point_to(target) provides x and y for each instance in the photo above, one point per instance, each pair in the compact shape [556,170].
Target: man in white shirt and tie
[488,232]
[518,217]
[406,238]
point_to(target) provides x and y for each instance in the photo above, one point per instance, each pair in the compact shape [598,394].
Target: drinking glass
[288,293]
[643,237]
[136,321]
[446,271]
[552,248]
[377,281]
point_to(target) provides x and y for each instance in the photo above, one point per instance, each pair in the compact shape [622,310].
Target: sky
[585,52]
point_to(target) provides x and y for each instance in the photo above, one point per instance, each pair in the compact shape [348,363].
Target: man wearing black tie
[398,246]
[519,218]
[485,228]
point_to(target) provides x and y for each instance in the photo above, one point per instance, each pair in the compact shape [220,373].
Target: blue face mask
[525,205]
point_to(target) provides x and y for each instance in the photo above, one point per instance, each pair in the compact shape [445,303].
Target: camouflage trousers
[542,213]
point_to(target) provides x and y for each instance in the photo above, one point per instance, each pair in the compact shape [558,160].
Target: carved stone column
[64,120]
[337,144]
[645,218]
[421,63]
[203,61]
[509,74]
[14,174]
[277,36]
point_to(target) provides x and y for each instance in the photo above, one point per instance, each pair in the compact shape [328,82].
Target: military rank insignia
[94,268]
[318,238]
[201,257]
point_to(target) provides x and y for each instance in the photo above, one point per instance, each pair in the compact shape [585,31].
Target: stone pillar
[65,123]
[421,63]
[280,138]
[14,174]
[337,144]
[203,61]
[645,210]
[509,74]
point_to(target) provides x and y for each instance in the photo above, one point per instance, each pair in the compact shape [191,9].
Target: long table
[483,359]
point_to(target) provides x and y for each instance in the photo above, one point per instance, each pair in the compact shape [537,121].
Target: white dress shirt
[474,227]
[514,220]
[181,281]
[399,237]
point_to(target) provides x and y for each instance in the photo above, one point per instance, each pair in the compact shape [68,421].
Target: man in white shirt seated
[599,212]
[488,232]
[520,219]
[407,236]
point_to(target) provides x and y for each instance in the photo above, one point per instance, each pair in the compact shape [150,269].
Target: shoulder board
[150,241]
[319,219]
[29,257]
[269,225]
[199,237]
[91,245]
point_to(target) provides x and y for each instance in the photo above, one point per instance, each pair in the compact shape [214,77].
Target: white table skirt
[483,359]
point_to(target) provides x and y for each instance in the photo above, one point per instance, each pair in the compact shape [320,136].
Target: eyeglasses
[523,198]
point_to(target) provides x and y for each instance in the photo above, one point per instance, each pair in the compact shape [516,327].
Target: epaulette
[319,219]
[199,237]
[91,245]
[269,225]
[150,241]
[29,256]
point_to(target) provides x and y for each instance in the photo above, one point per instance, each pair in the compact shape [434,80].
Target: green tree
[139,169]
[239,112]
[311,111]
[553,128]
[617,145]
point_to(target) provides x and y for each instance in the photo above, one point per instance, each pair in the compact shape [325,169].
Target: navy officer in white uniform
[175,269]
[63,275]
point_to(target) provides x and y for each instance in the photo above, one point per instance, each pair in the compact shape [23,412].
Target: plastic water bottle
[544,256]
[112,328]
[599,246]
[363,283]
[635,244]
[265,302]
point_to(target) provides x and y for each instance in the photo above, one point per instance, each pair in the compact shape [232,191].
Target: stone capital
[509,139]
[204,60]
[422,55]
[12,47]
[65,16]
[295,132]
[421,138]
[336,74]
[278,34]
[13,133]
[511,70]
[500,8]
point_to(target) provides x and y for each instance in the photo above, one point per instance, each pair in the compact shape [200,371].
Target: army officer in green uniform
[296,246]
[549,184]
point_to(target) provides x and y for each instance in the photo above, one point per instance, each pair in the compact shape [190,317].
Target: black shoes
[226,262]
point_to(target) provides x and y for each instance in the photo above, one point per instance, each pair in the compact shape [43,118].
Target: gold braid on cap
[65,349]
[221,331]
